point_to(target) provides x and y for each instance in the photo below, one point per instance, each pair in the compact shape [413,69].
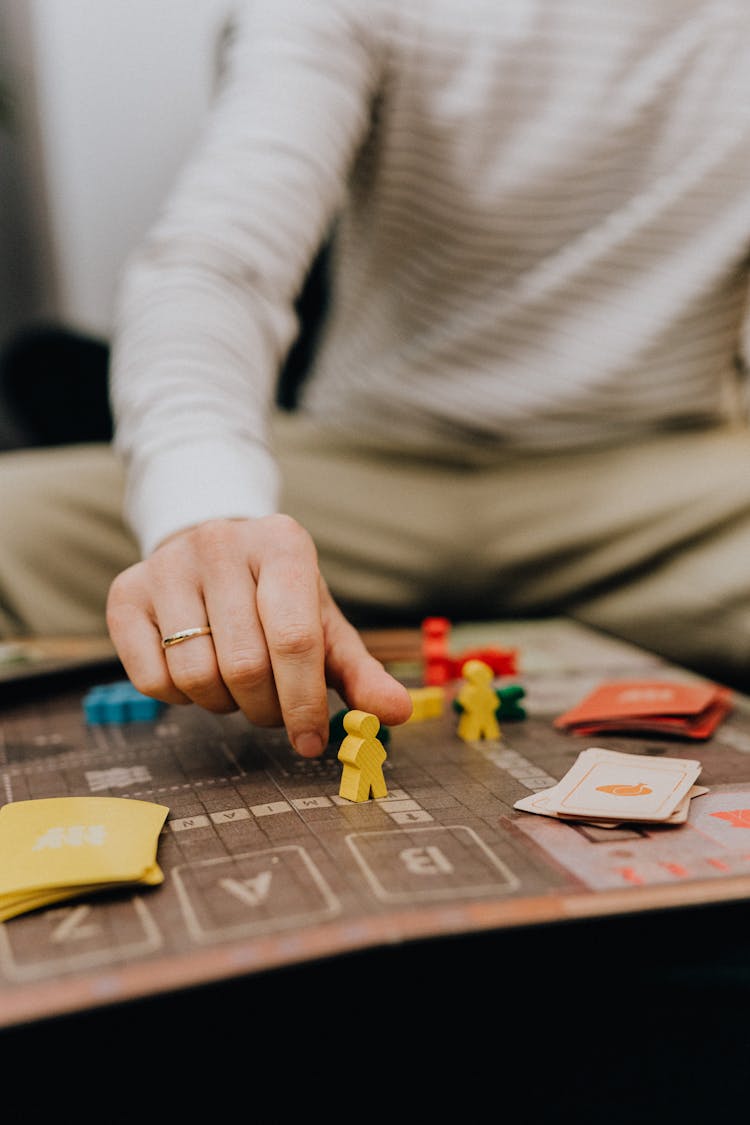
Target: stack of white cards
[607,788]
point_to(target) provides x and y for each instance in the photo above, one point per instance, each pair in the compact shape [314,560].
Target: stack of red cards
[607,788]
[659,707]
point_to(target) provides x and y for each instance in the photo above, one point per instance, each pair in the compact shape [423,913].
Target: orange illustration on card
[625,790]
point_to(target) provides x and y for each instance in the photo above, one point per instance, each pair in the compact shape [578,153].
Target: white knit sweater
[542,225]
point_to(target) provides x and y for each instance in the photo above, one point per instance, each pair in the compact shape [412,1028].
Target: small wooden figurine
[479,703]
[362,755]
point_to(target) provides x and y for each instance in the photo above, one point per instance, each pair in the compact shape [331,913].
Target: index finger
[289,608]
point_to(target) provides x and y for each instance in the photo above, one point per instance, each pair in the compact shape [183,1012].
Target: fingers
[260,593]
[137,639]
[256,583]
[288,603]
[152,601]
[277,640]
[361,680]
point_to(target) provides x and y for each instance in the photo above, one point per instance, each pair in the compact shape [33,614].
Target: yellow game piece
[62,842]
[479,701]
[427,703]
[362,755]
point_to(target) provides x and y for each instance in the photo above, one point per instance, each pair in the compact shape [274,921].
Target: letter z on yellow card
[64,841]
[608,785]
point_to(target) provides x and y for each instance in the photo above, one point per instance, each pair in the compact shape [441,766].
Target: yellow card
[11,905]
[14,904]
[72,841]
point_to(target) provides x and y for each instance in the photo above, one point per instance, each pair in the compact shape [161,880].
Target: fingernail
[309,745]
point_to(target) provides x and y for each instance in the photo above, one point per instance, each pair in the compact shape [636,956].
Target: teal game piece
[119,702]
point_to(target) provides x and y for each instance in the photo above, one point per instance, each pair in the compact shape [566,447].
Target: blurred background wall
[106,99]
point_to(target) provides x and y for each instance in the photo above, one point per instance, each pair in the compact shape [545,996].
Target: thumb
[359,678]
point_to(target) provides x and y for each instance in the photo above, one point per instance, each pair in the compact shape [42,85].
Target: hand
[278,640]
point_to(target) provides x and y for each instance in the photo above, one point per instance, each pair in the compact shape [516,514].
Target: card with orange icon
[609,785]
[539,803]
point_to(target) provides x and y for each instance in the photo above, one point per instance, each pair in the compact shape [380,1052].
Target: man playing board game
[528,395]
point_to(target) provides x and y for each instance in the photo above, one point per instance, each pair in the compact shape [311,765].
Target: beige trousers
[649,541]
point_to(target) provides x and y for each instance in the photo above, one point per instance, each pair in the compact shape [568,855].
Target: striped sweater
[539,214]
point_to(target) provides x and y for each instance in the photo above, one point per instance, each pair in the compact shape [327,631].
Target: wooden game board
[266,866]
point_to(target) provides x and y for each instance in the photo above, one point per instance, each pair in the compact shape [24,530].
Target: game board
[267,866]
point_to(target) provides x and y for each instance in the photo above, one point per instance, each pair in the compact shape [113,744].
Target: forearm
[205,314]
